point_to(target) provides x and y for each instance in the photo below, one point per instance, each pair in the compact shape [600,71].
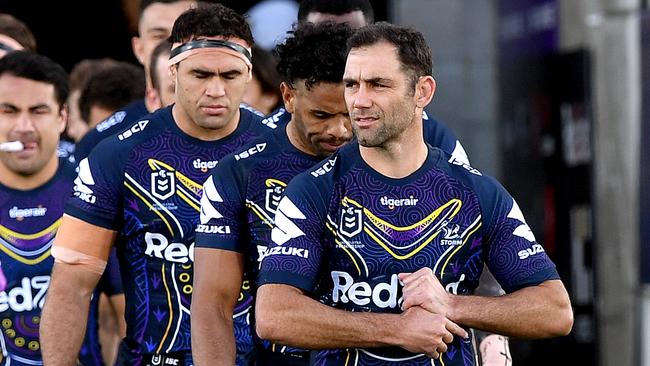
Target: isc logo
[325,168]
[139,126]
[253,150]
[26,297]
[383,295]
[159,247]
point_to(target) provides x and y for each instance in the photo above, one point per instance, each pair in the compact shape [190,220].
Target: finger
[413,283]
[447,337]
[403,275]
[442,348]
[407,278]
[433,354]
[456,329]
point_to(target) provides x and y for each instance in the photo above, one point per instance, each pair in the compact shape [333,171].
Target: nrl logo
[274,189]
[351,221]
[163,184]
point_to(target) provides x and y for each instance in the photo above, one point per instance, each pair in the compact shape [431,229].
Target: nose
[24,123]
[340,128]
[362,98]
[215,88]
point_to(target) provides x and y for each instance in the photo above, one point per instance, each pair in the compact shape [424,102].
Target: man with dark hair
[391,234]
[154,26]
[15,35]
[356,13]
[33,185]
[245,186]
[263,93]
[140,191]
[108,89]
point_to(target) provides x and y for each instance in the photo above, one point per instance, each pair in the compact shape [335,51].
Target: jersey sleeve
[513,255]
[294,254]
[98,188]
[223,205]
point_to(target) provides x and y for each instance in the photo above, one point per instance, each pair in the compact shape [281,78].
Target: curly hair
[210,20]
[336,7]
[314,53]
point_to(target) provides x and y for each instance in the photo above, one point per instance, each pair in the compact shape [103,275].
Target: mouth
[214,109]
[365,122]
[331,146]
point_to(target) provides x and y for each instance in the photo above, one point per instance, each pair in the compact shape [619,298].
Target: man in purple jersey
[33,184]
[140,191]
[389,235]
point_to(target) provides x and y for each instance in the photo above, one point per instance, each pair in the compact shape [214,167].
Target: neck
[294,139]
[399,157]
[21,182]
[187,125]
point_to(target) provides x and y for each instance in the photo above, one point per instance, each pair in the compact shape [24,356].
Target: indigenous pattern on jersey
[115,123]
[145,183]
[436,133]
[239,202]
[343,233]
[28,223]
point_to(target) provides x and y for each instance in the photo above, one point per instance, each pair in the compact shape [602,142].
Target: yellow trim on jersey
[379,223]
[395,255]
[171,310]
[341,245]
[259,214]
[270,182]
[188,200]
[183,179]
[151,207]
[23,260]
[5,232]
[442,270]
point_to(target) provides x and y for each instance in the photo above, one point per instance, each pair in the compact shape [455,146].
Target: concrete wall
[462,36]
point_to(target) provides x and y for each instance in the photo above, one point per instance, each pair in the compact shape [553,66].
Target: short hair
[144,4]
[265,70]
[335,7]
[83,70]
[164,47]
[210,20]
[112,88]
[29,65]
[14,28]
[314,53]
[413,51]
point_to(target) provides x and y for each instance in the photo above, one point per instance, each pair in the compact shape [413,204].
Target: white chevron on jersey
[285,229]
[84,179]
[523,230]
[210,195]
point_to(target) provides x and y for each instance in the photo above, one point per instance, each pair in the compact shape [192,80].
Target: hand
[422,288]
[495,351]
[421,331]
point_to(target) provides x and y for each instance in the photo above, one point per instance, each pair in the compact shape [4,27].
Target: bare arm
[68,297]
[217,283]
[285,315]
[540,311]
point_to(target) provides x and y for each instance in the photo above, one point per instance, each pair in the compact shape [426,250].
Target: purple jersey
[28,223]
[343,233]
[239,202]
[145,183]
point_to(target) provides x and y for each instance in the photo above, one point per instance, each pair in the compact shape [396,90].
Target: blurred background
[546,95]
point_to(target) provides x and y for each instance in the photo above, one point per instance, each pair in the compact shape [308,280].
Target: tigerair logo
[382,294]
[204,166]
[398,202]
[21,213]
[28,296]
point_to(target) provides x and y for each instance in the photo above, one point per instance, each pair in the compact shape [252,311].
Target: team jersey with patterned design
[28,223]
[239,202]
[343,233]
[145,183]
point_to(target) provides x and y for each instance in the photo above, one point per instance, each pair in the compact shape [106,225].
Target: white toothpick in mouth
[12,146]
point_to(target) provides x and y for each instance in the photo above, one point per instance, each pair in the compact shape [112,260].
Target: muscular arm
[217,283]
[532,312]
[68,297]
[285,315]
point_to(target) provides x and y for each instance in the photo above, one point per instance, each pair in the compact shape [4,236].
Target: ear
[63,118]
[424,90]
[288,97]
[152,99]
[138,49]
